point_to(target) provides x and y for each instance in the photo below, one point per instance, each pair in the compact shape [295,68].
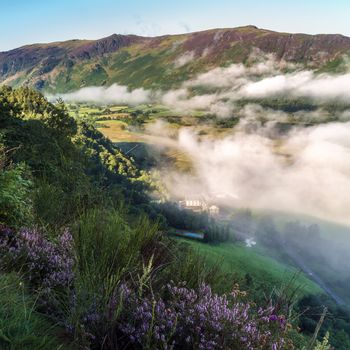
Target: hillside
[160,62]
[84,250]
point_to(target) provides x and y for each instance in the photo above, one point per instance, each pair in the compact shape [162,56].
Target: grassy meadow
[264,272]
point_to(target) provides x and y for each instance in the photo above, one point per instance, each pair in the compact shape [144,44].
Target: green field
[236,260]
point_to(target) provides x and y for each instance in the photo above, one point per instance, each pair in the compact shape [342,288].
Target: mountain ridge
[161,61]
[177,34]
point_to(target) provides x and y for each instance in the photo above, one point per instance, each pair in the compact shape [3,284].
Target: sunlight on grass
[117,131]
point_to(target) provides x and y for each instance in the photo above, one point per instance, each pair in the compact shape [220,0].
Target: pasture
[253,269]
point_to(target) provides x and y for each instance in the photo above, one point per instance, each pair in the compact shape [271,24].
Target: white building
[196,205]
[199,206]
[214,210]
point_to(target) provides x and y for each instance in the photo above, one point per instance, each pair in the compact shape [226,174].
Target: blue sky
[31,21]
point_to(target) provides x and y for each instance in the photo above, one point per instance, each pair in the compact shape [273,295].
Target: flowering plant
[189,319]
[47,264]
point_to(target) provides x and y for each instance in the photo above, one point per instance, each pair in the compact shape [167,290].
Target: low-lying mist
[304,172]
[106,95]
[218,90]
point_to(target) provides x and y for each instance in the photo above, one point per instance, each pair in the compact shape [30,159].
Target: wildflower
[199,319]
[47,264]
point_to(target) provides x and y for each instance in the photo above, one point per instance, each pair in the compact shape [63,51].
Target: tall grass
[107,248]
[188,265]
[21,327]
[108,251]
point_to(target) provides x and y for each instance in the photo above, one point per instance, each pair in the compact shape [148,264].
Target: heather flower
[189,319]
[178,318]
[47,264]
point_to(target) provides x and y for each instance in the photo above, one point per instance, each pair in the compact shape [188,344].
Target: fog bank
[114,94]
[304,173]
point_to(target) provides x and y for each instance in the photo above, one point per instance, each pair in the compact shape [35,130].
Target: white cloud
[107,95]
[304,83]
[182,100]
[185,58]
[309,174]
[276,85]
[219,77]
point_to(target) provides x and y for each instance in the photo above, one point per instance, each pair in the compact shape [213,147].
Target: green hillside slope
[253,267]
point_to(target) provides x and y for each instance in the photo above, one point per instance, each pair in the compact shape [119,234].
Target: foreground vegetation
[84,262]
[258,275]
